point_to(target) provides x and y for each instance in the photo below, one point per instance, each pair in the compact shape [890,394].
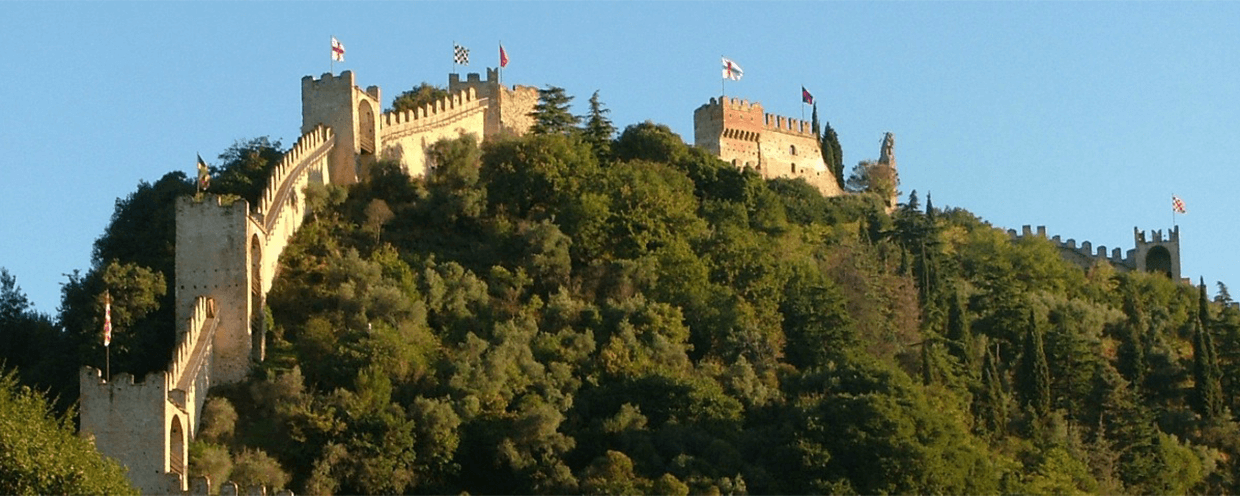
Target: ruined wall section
[352,114]
[508,109]
[213,259]
[407,135]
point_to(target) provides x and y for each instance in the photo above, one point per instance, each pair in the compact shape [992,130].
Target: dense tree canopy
[40,453]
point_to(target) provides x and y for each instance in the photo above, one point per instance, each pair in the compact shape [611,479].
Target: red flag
[503,57]
[806,97]
[107,319]
[1178,205]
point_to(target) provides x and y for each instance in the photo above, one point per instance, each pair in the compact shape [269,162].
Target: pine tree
[1034,376]
[599,129]
[551,115]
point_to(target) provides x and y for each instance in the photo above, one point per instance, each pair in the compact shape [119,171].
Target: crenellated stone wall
[407,135]
[1153,253]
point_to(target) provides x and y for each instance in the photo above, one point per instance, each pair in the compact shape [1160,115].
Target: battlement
[187,340]
[309,145]
[434,112]
[330,82]
[789,125]
[473,77]
[1157,236]
[1085,254]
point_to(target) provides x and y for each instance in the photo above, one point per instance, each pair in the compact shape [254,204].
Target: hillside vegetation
[537,317]
[570,313]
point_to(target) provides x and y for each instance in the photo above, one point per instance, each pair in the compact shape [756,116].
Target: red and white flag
[731,70]
[503,57]
[337,50]
[107,319]
[1178,205]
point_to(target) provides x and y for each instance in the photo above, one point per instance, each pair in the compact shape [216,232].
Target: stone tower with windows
[739,132]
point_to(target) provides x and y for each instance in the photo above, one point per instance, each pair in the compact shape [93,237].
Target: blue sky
[1084,117]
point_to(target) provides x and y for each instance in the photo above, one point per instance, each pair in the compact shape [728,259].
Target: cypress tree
[1131,360]
[832,154]
[990,407]
[1207,375]
[959,337]
[1034,376]
[817,128]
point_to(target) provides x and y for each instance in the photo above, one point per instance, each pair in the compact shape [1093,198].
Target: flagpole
[453,57]
[501,63]
[802,101]
[332,67]
[107,360]
[723,85]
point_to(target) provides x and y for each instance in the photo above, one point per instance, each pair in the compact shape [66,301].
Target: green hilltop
[568,312]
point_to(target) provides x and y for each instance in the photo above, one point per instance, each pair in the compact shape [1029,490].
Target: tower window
[792,149]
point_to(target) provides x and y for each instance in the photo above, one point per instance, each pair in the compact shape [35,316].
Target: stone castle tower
[739,132]
[1156,254]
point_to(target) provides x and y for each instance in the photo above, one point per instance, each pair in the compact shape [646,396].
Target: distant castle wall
[1150,254]
[741,133]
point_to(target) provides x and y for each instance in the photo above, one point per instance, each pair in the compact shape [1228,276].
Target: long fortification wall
[406,135]
[1085,255]
[189,374]
[282,208]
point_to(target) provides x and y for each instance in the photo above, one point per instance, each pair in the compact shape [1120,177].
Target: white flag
[337,50]
[731,70]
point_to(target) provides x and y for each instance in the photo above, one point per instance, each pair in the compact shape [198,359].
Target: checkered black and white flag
[461,55]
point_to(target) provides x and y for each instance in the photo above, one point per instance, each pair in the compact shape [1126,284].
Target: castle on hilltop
[1154,253]
[227,251]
